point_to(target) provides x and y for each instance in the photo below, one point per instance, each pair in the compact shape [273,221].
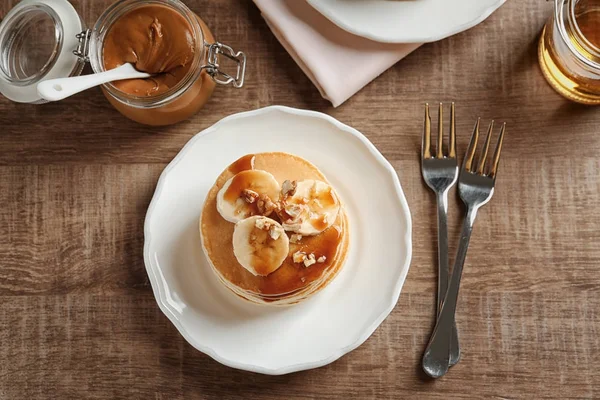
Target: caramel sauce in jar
[166,39]
[158,39]
[155,39]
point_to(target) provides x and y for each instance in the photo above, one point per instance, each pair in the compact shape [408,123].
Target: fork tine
[440,143]
[427,134]
[452,143]
[486,148]
[497,152]
[472,147]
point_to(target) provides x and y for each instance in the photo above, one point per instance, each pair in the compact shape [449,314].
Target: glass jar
[37,39]
[46,39]
[569,50]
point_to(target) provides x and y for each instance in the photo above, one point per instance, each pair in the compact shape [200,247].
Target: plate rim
[317,5]
[156,281]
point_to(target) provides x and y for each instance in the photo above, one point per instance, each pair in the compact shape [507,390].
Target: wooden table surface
[77,315]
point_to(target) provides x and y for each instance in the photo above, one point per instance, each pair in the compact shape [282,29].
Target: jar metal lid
[37,40]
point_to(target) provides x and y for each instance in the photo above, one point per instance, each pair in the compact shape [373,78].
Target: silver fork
[476,187]
[440,173]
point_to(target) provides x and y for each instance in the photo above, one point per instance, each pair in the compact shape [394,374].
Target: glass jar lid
[37,42]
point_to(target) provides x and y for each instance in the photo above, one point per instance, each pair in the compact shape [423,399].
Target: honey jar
[569,50]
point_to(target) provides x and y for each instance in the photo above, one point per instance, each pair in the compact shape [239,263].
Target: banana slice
[248,193]
[308,207]
[260,244]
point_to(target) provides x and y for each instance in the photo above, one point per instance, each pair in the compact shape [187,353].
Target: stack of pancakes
[292,281]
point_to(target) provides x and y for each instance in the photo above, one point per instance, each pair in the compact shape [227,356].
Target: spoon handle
[60,88]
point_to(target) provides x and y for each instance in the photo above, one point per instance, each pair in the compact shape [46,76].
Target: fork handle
[443,268]
[437,354]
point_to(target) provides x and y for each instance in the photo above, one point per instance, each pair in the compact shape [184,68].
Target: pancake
[292,282]
[297,296]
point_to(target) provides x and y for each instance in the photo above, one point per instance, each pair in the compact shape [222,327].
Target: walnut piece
[265,205]
[288,188]
[299,256]
[321,259]
[293,210]
[263,224]
[250,196]
[302,257]
[295,238]
[290,225]
[309,260]
[274,232]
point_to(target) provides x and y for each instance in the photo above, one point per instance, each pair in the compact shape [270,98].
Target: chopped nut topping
[249,196]
[299,256]
[263,223]
[321,259]
[288,188]
[265,205]
[274,232]
[295,238]
[302,257]
[309,260]
[290,225]
[293,210]
[303,279]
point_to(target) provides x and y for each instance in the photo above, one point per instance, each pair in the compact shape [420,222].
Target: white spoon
[58,89]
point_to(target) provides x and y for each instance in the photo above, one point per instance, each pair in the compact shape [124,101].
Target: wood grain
[77,315]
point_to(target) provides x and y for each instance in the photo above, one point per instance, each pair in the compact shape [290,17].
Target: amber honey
[569,50]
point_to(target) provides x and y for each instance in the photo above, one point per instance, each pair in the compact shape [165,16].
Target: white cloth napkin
[337,62]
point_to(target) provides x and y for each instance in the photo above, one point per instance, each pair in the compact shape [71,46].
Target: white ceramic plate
[265,339]
[406,21]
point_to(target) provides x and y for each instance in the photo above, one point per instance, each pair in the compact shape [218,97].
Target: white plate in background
[406,21]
